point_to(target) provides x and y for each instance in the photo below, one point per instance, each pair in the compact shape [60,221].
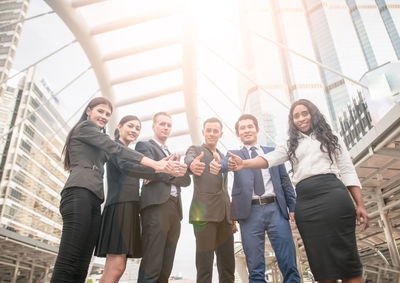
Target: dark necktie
[167,150]
[258,178]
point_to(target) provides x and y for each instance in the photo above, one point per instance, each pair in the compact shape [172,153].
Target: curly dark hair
[319,127]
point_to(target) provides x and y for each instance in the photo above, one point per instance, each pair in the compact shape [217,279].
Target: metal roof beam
[81,3]
[146,73]
[380,170]
[190,32]
[78,26]
[170,112]
[140,49]
[130,21]
[393,153]
[150,95]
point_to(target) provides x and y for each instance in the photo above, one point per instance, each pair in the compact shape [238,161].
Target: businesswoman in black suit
[120,236]
[86,150]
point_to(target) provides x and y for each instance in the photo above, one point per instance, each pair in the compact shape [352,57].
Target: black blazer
[89,150]
[210,201]
[123,179]
[158,190]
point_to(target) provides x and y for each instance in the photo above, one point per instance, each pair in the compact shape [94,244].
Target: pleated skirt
[120,231]
[326,219]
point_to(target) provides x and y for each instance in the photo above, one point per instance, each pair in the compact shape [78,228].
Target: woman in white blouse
[325,214]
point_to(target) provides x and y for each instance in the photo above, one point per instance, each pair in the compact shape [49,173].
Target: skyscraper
[6,107]
[349,36]
[32,177]
[12,14]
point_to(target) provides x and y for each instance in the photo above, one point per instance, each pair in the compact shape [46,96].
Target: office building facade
[355,121]
[12,15]
[351,37]
[32,177]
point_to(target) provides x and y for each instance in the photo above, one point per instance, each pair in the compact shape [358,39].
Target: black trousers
[161,226]
[80,211]
[214,237]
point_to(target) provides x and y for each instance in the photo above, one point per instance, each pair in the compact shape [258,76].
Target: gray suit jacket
[158,190]
[89,150]
[210,201]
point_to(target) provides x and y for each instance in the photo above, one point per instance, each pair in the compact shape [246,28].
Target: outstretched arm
[132,169]
[224,164]
[270,159]
[176,176]
[237,163]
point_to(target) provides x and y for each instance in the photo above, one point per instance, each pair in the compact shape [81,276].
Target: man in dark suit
[261,199]
[161,208]
[209,210]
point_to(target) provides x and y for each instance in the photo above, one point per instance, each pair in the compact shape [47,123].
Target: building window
[26,146]
[9,211]
[34,103]
[16,194]
[20,178]
[29,131]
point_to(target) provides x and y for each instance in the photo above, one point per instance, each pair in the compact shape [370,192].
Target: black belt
[263,201]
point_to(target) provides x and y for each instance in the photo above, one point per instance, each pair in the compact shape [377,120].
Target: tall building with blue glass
[350,36]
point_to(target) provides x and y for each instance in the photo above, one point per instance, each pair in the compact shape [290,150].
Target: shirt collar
[248,147]
[163,147]
[206,147]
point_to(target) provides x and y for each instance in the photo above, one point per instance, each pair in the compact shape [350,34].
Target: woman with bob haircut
[86,149]
[323,175]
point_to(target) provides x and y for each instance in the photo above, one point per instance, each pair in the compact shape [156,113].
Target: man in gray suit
[161,208]
[209,210]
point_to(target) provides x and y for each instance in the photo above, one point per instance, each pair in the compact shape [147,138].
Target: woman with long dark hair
[120,236]
[86,150]
[323,174]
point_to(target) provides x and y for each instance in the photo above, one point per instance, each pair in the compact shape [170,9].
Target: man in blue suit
[262,202]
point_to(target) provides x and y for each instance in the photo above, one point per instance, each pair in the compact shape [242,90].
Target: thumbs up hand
[197,167]
[215,164]
[175,168]
[182,167]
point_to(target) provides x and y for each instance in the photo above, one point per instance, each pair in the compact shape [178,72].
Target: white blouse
[310,161]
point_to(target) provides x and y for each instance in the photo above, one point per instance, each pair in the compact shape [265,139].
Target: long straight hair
[320,128]
[93,103]
[124,120]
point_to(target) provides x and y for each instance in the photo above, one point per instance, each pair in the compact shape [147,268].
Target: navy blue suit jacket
[243,184]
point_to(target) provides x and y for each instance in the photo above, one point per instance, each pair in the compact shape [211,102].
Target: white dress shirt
[311,161]
[269,188]
[164,148]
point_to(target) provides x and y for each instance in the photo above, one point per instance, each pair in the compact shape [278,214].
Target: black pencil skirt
[326,219]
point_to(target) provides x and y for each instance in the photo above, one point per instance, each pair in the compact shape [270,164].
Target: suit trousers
[161,228]
[214,237]
[268,218]
[80,210]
